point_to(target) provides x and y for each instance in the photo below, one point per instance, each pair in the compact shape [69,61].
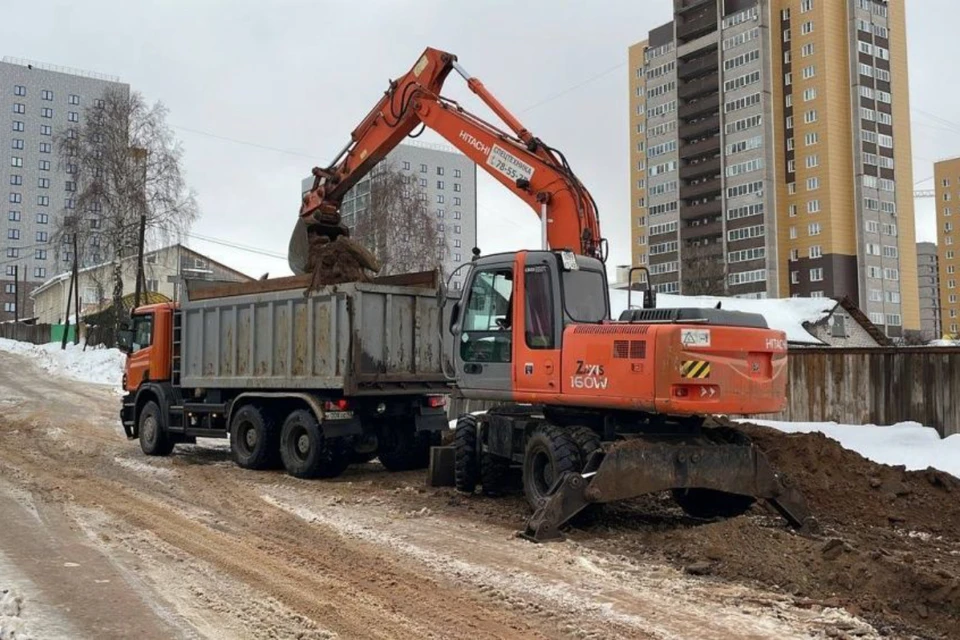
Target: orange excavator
[589,409]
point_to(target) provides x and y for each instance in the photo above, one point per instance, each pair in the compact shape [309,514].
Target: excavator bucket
[632,468]
[298,251]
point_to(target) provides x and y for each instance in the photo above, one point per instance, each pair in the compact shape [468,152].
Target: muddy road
[100,541]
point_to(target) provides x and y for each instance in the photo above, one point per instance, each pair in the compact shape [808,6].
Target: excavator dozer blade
[637,467]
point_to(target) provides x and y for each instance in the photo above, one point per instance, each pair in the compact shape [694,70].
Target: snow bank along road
[99,541]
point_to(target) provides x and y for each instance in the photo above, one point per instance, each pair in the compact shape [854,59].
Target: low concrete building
[163,270]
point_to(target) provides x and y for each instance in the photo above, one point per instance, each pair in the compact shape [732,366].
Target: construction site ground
[99,541]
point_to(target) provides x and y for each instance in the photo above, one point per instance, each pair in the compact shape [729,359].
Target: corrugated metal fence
[861,386]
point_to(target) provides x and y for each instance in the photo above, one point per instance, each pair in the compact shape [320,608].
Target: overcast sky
[294,78]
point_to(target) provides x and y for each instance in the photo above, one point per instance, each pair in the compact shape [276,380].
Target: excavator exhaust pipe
[630,469]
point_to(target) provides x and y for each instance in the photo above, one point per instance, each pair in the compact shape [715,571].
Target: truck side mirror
[125,340]
[454,315]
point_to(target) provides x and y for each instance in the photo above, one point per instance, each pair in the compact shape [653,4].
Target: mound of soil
[888,548]
[341,260]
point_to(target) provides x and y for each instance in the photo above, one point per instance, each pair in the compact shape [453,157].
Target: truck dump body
[366,339]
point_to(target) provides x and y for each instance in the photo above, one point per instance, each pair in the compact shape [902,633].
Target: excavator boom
[538,174]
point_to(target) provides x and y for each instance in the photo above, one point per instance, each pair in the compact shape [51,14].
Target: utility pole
[66,324]
[16,300]
[76,283]
[141,155]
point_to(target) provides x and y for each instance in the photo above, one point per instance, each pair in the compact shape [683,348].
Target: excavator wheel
[467,468]
[550,453]
[494,474]
[587,442]
[708,504]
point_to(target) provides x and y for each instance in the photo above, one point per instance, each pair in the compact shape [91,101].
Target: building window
[16,180]
[456,228]
[439,198]
[43,201]
[814,229]
[816,275]
[794,255]
[809,72]
[19,107]
[813,206]
[793,233]
[73,116]
[12,252]
[18,125]
[806,5]
[813,183]
[810,116]
[44,165]
[16,161]
[457,173]
[43,218]
[9,287]
[456,200]
[47,95]
[19,90]
[39,272]
[806,27]
[46,112]
[876,318]
[816,251]
[423,182]
[46,130]
[794,277]
[70,186]
[41,236]
[440,213]
[456,187]
[439,183]
[13,216]
[15,198]
[809,94]
[11,269]
[439,171]
[13,234]
[17,143]
[813,161]
[43,183]
[46,147]
[9,307]
[74,99]
[41,254]
[423,168]
[457,215]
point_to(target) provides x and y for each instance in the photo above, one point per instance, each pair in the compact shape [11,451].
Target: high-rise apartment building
[448,183]
[928,274]
[946,174]
[771,141]
[39,101]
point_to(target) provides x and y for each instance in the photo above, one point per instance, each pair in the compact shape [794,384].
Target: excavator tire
[494,474]
[709,504]
[467,468]
[550,452]
[587,442]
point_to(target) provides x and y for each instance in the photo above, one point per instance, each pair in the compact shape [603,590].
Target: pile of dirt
[888,547]
[337,261]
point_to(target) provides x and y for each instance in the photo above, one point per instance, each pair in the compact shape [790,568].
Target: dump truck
[313,382]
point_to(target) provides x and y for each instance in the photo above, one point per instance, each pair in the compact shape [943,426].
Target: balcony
[695,232]
[698,67]
[699,87]
[710,146]
[701,190]
[691,211]
[700,128]
[695,25]
[684,6]
[693,170]
[704,106]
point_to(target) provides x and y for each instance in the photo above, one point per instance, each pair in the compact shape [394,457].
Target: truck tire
[550,452]
[494,474]
[401,448]
[154,439]
[709,503]
[306,453]
[467,464]
[254,441]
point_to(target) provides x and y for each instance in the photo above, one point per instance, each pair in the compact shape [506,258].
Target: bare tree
[398,226]
[124,163]
[704,271]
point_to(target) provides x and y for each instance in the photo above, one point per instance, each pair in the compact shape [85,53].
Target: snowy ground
[96,364]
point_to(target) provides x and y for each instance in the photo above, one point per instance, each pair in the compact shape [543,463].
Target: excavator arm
[535,172]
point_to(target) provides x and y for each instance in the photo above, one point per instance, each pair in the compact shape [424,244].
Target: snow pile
[784,314]
[907,443]
[97,364]
[944,343]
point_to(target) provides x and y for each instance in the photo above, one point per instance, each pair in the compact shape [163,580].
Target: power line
[236,245]
[573,87]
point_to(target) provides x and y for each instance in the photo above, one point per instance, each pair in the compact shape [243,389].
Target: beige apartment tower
[771,153]
[947,176]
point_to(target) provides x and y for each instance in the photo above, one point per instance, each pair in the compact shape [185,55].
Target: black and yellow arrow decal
[695,369]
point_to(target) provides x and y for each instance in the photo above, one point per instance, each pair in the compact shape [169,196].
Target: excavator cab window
[539,307]
[485,333]
[584,296]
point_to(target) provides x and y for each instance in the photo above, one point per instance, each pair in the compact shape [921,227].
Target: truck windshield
[584,296]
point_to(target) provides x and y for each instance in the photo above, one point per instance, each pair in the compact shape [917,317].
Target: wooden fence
[34,333]
[860,386]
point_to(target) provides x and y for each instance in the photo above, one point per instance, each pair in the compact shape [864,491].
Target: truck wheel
[400,447]
[253,438]
[708,503]
[154,440]
[494,474]
[467,467]
[364,449]
[550,453]
[306,453]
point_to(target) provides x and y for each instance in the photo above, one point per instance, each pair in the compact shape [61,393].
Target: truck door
[484,333]
[138,362]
